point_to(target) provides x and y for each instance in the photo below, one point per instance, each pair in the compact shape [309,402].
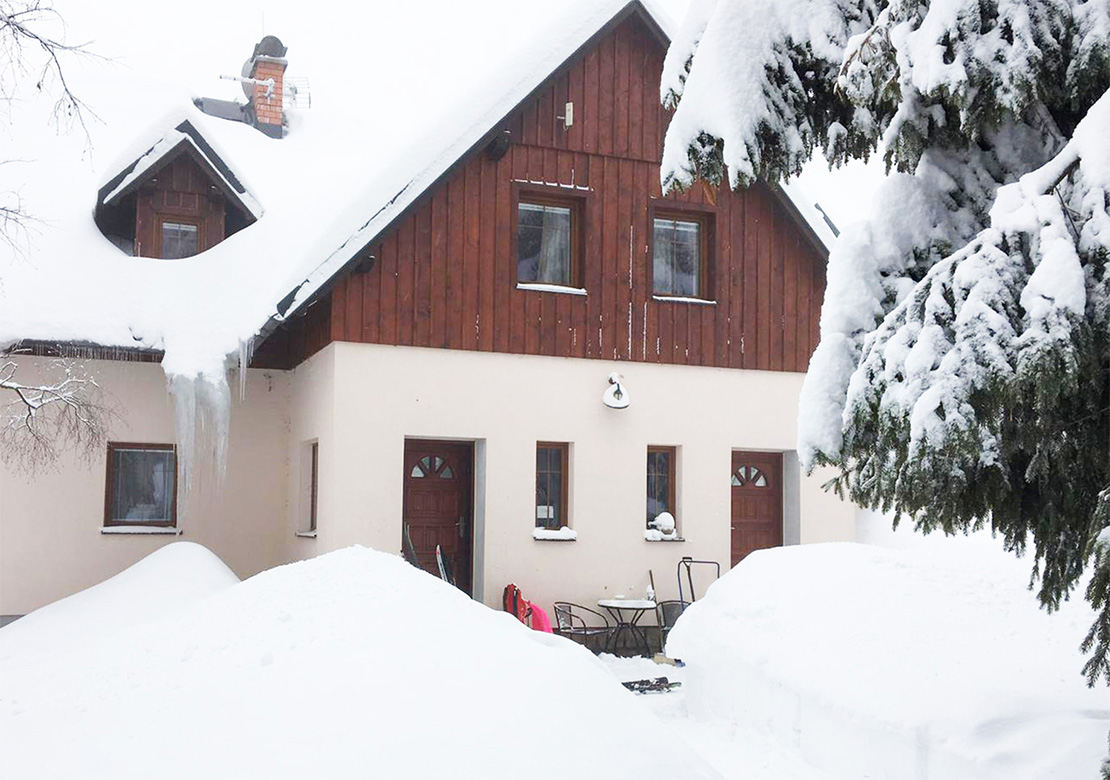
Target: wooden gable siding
[180,189]
[445,275]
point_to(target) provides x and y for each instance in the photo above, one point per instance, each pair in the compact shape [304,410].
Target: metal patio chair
[581,623]
[688,564]
[666,615]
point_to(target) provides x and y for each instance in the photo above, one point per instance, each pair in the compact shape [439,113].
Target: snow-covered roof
[163,151]
[400,94]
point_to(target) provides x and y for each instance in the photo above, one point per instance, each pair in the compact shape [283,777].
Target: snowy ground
[905,657]
[743,754]
[897,659]
[353,664]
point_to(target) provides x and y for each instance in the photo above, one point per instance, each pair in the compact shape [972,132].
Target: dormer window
[175,201]
[179,239]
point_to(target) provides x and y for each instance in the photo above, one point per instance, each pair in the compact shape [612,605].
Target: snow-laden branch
[41,420]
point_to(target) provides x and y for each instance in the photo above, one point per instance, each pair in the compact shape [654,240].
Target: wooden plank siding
[181,191]
[445,274]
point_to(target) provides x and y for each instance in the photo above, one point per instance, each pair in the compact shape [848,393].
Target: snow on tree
[66,409]
[963,374]
[62,409]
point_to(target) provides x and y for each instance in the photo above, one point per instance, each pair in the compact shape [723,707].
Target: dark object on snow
[657,685]
[581,623]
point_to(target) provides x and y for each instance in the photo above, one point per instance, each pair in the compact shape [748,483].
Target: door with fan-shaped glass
[756,502]
[437,505]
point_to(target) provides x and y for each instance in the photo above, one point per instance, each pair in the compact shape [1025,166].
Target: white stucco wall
[506,403]
[361,402]
[51,543]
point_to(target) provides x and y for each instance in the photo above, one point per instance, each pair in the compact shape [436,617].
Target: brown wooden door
[756,502]
[437,506]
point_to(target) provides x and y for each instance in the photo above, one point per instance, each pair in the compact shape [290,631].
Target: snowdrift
[166,581]
[351,664]
[932,662]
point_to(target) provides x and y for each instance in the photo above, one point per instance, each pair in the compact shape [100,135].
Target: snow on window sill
[123,530]
[306,534]
[652,535]
[555,288]
[682,299]
[563,534]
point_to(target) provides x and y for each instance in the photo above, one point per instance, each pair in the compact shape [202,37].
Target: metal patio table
[626,614]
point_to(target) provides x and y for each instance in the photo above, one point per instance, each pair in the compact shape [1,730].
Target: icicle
[202,402]
[215,405]
[246,353]
[183,390]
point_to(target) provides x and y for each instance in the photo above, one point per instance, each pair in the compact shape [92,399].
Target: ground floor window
[310,486]
[142,485]
[660,483]
[551,485]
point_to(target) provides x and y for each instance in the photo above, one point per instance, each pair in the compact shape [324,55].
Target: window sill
[138,530]
[651,535]
[305,534]
[564,534]
[552,288]
[683,299]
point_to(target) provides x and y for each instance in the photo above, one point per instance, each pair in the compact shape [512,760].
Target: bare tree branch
[27,50]
[41,420]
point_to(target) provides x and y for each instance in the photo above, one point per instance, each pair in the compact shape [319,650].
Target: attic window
[179,239]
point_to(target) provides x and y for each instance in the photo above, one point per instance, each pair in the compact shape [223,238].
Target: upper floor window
[546,241]
[180,239]
[142,485]
[680,255]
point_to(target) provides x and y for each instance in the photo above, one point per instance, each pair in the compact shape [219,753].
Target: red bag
[515,604]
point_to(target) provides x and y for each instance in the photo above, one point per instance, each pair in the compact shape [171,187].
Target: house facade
[534,358]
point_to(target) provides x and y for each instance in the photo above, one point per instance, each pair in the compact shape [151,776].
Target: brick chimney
[267,66]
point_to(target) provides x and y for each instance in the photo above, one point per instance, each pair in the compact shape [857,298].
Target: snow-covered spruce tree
[963,374]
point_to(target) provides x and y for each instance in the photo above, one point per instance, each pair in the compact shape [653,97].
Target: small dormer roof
[183,138]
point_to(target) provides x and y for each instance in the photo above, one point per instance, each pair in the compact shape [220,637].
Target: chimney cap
[269,46]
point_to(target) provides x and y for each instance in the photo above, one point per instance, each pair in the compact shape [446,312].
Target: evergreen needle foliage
[963,375]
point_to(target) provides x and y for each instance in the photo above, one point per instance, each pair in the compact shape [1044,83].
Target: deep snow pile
[929,662]
[351,664]
[163,583]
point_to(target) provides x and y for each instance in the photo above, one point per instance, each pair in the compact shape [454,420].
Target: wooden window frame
[314,486]
[109,522]
[672,492]
[577,202]
[177,219]
[706,219]
[564,448]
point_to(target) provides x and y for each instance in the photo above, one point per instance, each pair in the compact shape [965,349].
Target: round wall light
[615,396]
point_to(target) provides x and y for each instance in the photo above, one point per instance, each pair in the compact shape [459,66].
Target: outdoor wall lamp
[616,396]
